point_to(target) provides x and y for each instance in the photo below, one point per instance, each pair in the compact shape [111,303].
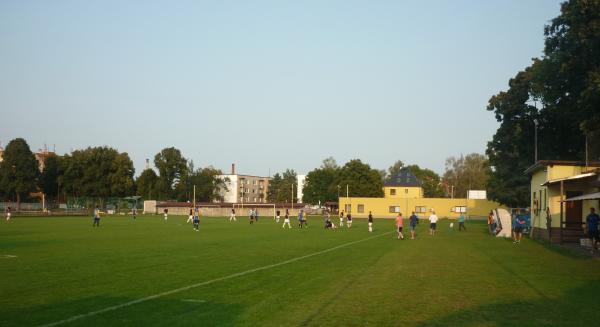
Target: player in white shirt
[287,219]
[433,218]
[232,216]
[342,219]
[190,217]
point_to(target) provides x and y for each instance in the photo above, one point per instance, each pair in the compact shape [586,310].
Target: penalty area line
[189,287]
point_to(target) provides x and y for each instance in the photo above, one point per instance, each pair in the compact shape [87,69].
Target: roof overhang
[590,196]
[568,179]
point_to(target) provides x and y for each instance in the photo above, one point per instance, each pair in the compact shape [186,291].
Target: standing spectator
[232,216]
[491,224]
[399,225]
[433,219]
[96,217]
[592,226]
[413,221]
[461,222]
[518,230]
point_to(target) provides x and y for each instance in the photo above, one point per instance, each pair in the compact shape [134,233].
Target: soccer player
[7,213]
[166,212]
[251,216]
[277,216]
[287,219]
[349,220]
[232,216]
[370,222]
[518,230]
[134,212]
[190,216]
[399,225]
[413,221]
[301,219]
[433,218]
[328,223]
[256,215]
[592,225]
[461,222]
[96,217]
[196,219]
[342,219]
[490,222]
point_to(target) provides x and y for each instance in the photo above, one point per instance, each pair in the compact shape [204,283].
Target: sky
[268,85]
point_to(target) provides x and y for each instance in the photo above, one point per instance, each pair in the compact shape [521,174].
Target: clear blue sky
[268,85]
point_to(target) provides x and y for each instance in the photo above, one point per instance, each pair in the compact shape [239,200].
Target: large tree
[19,170]
[464,173]
[360,180]
[146,184]
[172,167]
[281,186]
[48,181]
[561,92]
[321,183]
[97,172]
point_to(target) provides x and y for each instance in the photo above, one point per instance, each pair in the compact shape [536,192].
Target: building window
[348,208]
[394,209]
[393,191]
[420,209]
[460,209]
[360,208]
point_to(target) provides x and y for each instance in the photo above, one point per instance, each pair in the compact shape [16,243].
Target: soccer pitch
[155,272]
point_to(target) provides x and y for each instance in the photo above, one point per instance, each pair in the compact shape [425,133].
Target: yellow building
[562,193]
[404,194]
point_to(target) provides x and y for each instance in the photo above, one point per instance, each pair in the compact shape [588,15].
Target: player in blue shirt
[413,221]
[196,219]
[592,221]
[518,229]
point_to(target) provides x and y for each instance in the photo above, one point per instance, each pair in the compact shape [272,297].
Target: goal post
[239,207]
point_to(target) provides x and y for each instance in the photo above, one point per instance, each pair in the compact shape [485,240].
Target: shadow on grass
[571,250]
[577,307]
[179,311]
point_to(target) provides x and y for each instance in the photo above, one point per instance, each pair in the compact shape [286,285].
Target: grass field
[122,273]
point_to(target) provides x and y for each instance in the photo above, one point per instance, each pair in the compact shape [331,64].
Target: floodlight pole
[535,122]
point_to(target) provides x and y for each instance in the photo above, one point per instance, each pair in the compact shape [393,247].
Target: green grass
[64,267]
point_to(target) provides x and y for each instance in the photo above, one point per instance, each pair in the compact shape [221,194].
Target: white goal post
[240,207]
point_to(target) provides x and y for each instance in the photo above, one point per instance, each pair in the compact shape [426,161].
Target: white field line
[189,287]
[7,256]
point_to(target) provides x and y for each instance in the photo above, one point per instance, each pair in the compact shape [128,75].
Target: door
[574,211]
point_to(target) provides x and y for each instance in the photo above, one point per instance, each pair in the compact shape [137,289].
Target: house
[403,193]
[562,193]
[244,188]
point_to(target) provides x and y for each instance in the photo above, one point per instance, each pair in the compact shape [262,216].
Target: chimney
[232,169]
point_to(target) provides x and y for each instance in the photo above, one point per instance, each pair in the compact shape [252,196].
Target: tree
[361,179]
[566,84]
[172,166]
[280,187]
[470,172]
[97,172]
[146,184]
[19,170]
[48,181]
[320,184]
[432,187]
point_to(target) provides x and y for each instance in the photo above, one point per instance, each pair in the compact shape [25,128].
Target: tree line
[560,93]
[101,172]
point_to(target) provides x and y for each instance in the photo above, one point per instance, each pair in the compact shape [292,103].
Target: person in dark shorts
[96,217]
[349,220]
[196,220]
[461,222]
[592,222]
[413,221]
[433,219]
[518,230]
[134,212]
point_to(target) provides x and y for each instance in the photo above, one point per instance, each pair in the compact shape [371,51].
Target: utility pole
[292,196]
[535,122]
